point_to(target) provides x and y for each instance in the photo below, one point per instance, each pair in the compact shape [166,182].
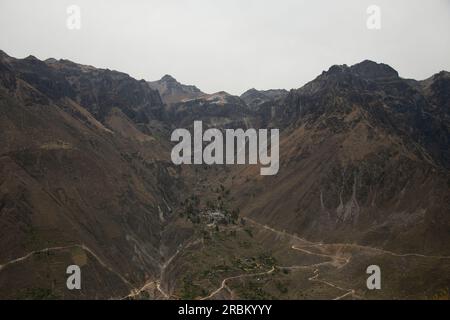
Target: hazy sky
[231,45]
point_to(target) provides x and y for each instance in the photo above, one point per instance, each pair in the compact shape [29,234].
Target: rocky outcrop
[254,98]
[172,91]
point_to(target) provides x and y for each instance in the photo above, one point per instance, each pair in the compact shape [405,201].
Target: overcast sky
[231,45]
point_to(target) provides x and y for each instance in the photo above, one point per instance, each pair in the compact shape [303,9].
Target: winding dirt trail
[344,245]
[45,250]
[158,282]
[81,246]
[336,259]
[154,283]
[313,278]
[245,275]
[383,251]
[279,232]
[50,249]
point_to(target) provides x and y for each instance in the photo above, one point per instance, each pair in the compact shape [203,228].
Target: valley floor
[254,261]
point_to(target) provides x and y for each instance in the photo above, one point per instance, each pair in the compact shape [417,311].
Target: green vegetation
[190,290]
[214,210]
[249,232]
[191,209]
[281,287]
[37,294]
[252,290]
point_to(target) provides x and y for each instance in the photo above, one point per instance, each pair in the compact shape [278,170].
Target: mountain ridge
[85,162]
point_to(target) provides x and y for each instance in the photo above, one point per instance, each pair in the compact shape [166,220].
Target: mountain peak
[373,70]
[31,57]
[442,74]
[3,54]
[172,91]
[251,90]
[366,69]
[168,78]
[51,60]
[254,97]
[222,93]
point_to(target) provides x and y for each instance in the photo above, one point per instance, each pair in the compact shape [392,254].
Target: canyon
[235,145]
[87,178]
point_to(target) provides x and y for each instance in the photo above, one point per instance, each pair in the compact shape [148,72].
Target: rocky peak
[254,97]
[437,90]
[31,57]
[172,91]
[3,54]
[250,92]
[366,69]
[168,78]
[336,69]
[51,60]
[372,70]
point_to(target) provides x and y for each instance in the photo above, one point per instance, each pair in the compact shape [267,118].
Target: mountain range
[86,179]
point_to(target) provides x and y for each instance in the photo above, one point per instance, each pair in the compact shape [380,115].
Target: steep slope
[362,159]
[85,178]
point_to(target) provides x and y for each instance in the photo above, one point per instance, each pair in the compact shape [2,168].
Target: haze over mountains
[86,178]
